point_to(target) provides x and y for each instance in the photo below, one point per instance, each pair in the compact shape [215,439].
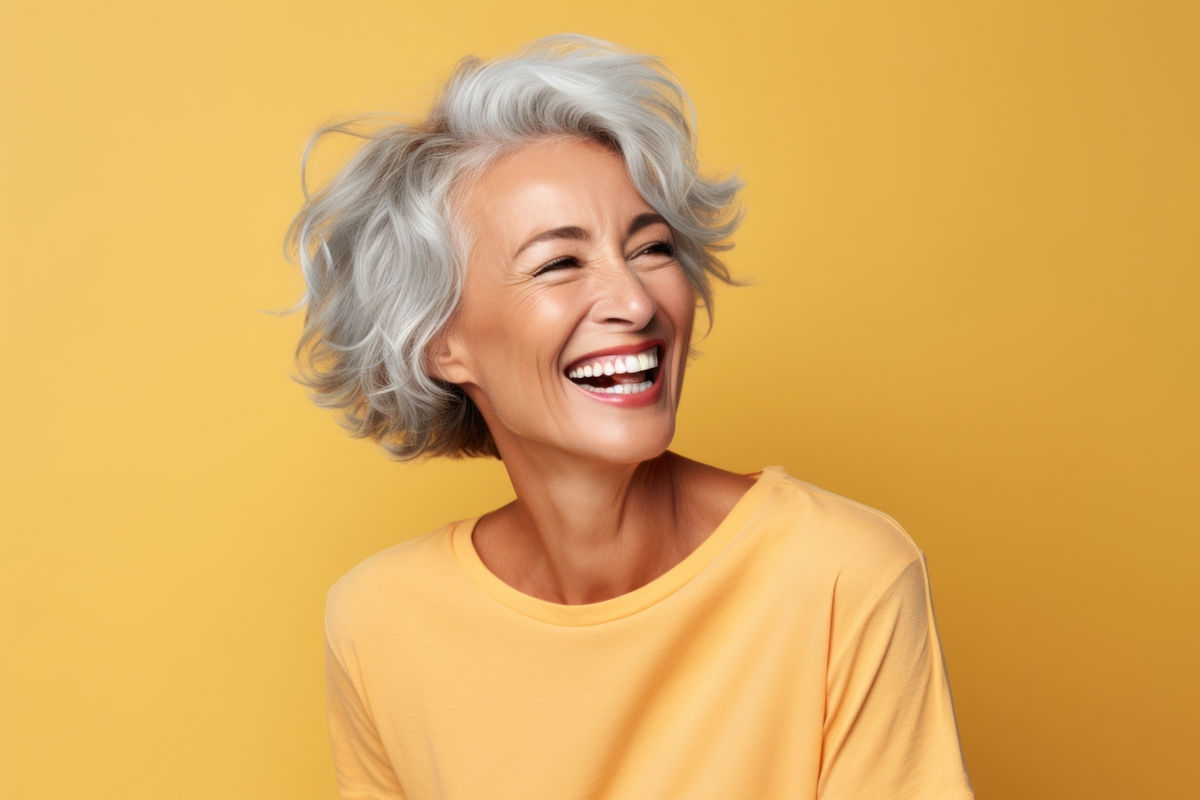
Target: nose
[621,299]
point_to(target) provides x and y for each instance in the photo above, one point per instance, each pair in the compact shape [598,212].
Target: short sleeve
[363,768]
[889,723]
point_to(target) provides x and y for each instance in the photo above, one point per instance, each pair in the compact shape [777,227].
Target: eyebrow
[568,232]
[579,234]
[645,221]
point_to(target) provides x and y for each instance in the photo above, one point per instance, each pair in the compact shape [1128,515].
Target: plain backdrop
[973,231]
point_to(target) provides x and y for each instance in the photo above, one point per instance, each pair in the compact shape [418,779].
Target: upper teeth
[618,365]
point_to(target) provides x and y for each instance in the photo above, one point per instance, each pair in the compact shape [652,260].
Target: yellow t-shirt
[792,655]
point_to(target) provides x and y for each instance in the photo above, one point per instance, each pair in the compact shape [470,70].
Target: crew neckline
[623,605]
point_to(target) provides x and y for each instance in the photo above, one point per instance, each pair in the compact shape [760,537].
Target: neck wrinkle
[586,535]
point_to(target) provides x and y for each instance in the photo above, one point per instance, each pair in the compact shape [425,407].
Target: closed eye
[658,248]
[558,263]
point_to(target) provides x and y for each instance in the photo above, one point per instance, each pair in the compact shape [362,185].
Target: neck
[581,531]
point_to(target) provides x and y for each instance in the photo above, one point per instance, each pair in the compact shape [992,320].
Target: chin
[628,444]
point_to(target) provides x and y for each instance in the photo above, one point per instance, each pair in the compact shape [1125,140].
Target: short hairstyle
[383,257]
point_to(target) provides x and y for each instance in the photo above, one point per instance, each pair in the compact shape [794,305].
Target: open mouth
[617,374]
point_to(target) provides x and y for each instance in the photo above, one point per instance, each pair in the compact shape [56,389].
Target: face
[575,319]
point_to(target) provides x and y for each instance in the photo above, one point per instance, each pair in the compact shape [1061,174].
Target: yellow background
[974,232]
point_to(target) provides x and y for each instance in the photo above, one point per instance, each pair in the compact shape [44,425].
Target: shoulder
[859,549]
[396,578]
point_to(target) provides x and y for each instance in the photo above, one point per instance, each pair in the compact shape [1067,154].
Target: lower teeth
[620,388]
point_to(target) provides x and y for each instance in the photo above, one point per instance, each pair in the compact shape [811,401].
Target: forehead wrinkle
[546,192]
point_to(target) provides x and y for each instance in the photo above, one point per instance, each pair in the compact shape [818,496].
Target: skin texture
[568,260]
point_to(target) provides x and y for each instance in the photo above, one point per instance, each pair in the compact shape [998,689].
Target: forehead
[549,183]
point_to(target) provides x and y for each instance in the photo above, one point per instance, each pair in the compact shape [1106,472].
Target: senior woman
[516,276]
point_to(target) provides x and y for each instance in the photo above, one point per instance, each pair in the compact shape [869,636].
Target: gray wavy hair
[382,256]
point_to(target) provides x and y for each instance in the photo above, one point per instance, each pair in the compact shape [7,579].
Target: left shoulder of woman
[859,542]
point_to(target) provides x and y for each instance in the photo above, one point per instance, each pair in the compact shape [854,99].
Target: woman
[517,276]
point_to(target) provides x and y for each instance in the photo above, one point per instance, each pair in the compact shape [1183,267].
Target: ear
[445,357]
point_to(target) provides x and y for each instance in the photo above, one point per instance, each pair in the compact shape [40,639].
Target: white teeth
[620,388]
[617,365]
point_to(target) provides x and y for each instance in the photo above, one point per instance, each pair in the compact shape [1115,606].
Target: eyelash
[666,248]
[570,261]
[558,263]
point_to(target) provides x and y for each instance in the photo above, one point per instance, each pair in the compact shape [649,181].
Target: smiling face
[573,328]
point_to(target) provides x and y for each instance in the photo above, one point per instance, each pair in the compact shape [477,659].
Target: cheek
[675,298]
[511,340]
[514,352]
